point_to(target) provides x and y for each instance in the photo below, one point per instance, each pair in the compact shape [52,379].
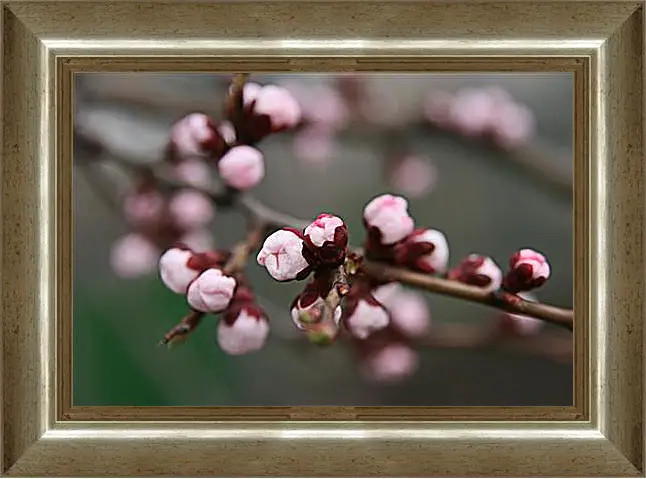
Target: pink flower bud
[413,175]
[513,126]
[174,269]
[387,294]
[321,105]
[228,132]
[133,255]
[529,270]
[282,255]
[211,292]
[279,105]
[195,135]
[409,314]
[389,215]
[250,92]
[242,167]
[366,316]
[190,209]
[520,324]
[193,172]
[391,363]
[478,270]
[327,238]
[198,240]
[437,107]
[473,111]
[425,250]
[245,333]
[307,309]
[144,208]
[314,145]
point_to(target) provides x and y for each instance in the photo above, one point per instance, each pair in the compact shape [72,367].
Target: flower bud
[144,208]
[198,240]
[242,167]
[472,111]
[391,363]
[528,270]
[327,238]
[409,314]
[520,324]
[245,332]
[282,255]
[279,105]
[388,215]
[193,172]
[195,135]
[174,269]
[478,270]
[513,126]
[211,292]
[308,309]
[365,315]
[387,293]
[190,209]
[133,255]
[425,250]
[413,175]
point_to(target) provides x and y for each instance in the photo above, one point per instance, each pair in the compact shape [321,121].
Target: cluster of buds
[528,270]
[243,326]
[483,113]
[266,109]
[392,237]
[158,220]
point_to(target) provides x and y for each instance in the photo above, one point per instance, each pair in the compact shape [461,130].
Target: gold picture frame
[46,42]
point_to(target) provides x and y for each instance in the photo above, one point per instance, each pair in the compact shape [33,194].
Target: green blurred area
[482,203]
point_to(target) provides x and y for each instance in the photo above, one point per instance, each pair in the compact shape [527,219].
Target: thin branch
[236,263]
[503,301]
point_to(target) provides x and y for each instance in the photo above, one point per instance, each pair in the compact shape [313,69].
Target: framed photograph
[316,238]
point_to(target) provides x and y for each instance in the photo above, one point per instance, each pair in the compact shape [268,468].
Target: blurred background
[378,133]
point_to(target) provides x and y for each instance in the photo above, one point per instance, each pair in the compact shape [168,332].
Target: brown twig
[503,301]
[236,263]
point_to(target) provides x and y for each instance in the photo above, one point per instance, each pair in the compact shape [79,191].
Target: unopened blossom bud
[308,308]
[279,105]
[193,172]
[425,250]
[391,363]
[387,293]
[437,107]
[174,269]
[327,238]
[242,167]
[473,111]
[133,255]
[195,135]
[520,324]
[413,175]
[513,126]
[211,292]
[529,269]
[409,314]
[245,332]
[478,270]
[143,208]
[190,209]
[282,255]
[388,215]
[198,240]
[250,92]
[365,315]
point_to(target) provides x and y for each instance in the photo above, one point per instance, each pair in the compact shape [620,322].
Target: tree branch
[502,300]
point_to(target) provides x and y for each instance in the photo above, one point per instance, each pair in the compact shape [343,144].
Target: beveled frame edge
[610,444]
[67,67]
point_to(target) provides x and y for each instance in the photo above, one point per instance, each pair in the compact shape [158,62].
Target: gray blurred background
[482,201]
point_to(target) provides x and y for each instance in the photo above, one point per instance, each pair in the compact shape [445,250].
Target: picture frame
[46,42]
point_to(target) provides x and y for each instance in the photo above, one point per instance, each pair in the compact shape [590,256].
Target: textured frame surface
[45,43]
